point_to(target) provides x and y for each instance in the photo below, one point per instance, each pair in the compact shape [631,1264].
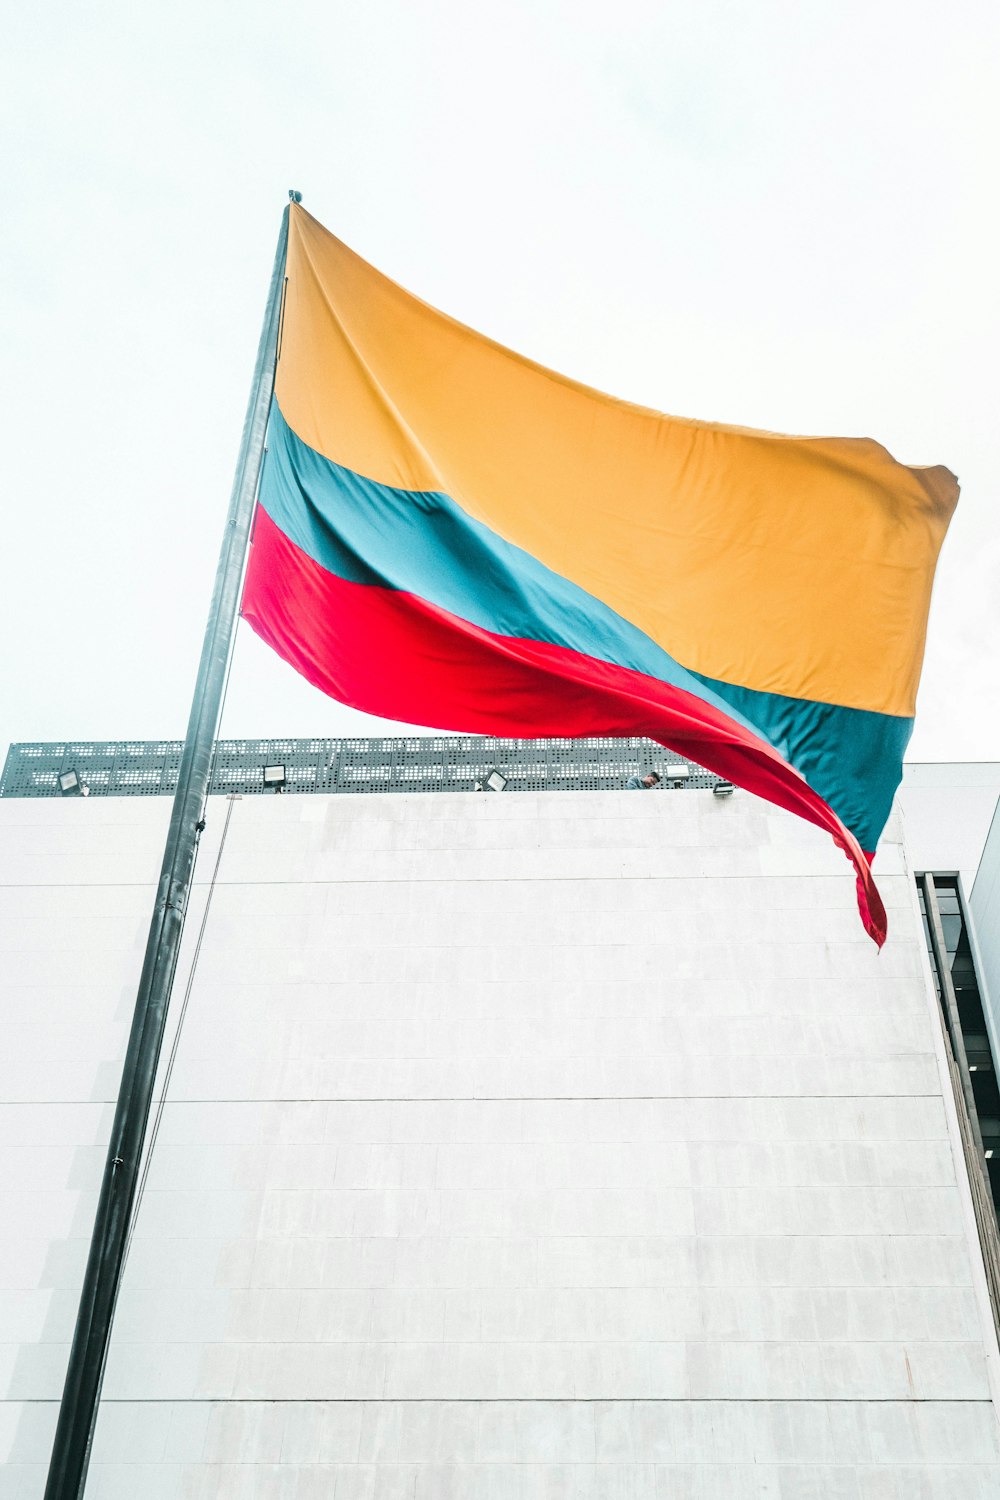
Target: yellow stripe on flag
[800,566]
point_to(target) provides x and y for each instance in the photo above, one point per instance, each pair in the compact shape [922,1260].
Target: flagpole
[85,1373]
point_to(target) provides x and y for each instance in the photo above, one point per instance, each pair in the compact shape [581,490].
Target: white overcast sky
[777,214]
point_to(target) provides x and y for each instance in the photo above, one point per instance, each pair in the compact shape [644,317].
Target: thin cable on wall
[168,1071]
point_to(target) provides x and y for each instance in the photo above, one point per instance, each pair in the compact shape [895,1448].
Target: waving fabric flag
[453,536]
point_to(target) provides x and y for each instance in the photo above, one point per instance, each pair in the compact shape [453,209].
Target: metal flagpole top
[293,196]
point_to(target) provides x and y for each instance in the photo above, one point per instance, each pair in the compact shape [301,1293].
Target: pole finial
[293,196]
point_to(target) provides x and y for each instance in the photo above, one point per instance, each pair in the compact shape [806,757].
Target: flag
[451,535]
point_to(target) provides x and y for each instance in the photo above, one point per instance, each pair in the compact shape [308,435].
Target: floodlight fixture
[495,781]
[274,777]
[723,789]
[70,784]
[680,771]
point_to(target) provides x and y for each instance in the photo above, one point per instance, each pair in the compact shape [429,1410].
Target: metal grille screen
[128,768]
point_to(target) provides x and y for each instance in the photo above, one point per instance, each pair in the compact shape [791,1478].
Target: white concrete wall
[947,811]
[571,1145]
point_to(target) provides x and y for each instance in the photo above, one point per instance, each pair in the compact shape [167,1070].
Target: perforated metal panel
[422,764]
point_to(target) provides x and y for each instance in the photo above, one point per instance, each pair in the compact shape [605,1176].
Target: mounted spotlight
[677,772]
[274,777]
[723,789]
[495,781]
[70,784]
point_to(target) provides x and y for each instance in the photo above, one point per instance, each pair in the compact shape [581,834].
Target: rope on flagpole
[175,1044]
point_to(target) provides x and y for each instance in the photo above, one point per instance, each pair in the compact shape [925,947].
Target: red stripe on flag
[394,655]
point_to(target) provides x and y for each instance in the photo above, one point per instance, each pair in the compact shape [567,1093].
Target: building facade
[948,807]
[951,826]
[566,1144]
[985,908]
